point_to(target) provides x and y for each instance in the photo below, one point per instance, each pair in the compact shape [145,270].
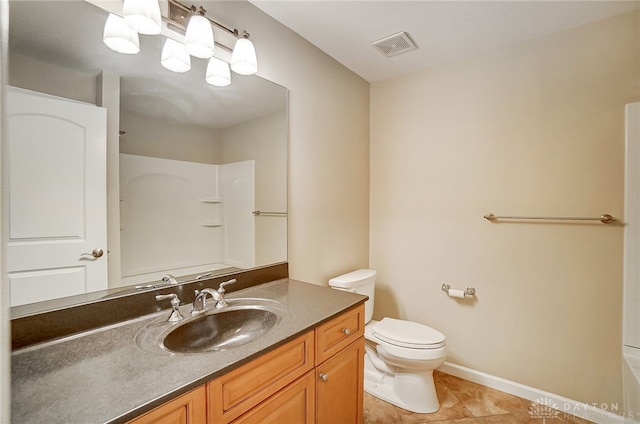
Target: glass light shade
[198,41]
[174,57]
[143,16]
[218,73]
[243,58]
[119,37]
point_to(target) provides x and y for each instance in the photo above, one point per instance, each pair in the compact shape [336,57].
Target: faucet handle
[171,296]
[175,304]
[221,288]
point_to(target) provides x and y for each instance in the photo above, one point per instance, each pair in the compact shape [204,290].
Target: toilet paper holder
[469,291]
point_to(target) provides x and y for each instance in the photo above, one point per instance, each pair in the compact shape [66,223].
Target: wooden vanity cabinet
[190,408]
[315,378]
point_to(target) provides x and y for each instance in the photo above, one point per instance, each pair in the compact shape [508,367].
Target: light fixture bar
[179,15]
[199,42]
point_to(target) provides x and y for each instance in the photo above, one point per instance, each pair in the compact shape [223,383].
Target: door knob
[323,376]
[346,331]
[96,253]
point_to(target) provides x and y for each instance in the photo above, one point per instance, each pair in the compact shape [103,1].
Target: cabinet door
[340,387]
[293,404]
[190,408]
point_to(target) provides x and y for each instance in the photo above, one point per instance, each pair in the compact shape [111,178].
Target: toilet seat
[408,334]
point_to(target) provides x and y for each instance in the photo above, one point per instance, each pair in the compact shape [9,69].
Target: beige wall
[536,129]
[26,72]
[328,149]
[168,140]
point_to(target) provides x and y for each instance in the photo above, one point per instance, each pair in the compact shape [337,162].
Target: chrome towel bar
[605,218]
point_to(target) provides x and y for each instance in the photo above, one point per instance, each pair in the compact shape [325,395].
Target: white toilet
[400,355]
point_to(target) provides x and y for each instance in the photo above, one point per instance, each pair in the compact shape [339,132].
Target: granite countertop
[105,376]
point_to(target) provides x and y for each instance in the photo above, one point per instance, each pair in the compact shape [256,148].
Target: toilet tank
[362,281]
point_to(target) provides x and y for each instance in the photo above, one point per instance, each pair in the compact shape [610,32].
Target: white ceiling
[444,31]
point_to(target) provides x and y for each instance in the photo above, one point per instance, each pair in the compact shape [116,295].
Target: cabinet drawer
[335,335]
[235,393]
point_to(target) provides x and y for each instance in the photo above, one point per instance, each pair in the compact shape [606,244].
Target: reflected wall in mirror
[187,163]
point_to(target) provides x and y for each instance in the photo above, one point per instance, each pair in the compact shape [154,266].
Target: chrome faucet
[200,302]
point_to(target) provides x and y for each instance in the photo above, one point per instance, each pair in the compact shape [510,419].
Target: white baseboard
[564,405]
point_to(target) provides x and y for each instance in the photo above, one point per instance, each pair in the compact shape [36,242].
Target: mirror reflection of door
[57,189]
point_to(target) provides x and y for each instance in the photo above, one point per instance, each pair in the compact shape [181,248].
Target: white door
[57,197]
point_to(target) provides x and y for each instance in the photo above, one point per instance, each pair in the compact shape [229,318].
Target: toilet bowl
[401,371]
[400,355]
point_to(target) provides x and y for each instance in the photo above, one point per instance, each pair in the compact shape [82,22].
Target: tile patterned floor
[463,402]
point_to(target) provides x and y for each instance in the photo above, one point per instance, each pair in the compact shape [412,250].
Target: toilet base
[415,392]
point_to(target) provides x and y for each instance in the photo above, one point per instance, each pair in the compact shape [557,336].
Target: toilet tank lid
[352,279]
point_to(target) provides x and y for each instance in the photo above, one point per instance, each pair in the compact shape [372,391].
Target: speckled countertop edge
[104,376]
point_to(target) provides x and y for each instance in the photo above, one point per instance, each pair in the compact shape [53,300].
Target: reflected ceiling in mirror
[69,34]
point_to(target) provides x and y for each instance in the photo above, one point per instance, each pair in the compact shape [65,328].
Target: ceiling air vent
[395,44]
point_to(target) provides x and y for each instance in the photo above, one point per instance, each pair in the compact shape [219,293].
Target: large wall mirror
[196,186]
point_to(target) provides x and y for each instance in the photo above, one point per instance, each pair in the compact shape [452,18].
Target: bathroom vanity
[307,368]
[316,377]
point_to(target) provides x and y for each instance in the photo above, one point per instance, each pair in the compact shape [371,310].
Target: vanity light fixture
[243,55]
[174,56]
[198,41]
[243,58]
[218,73]
[143,16]
[119,37]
